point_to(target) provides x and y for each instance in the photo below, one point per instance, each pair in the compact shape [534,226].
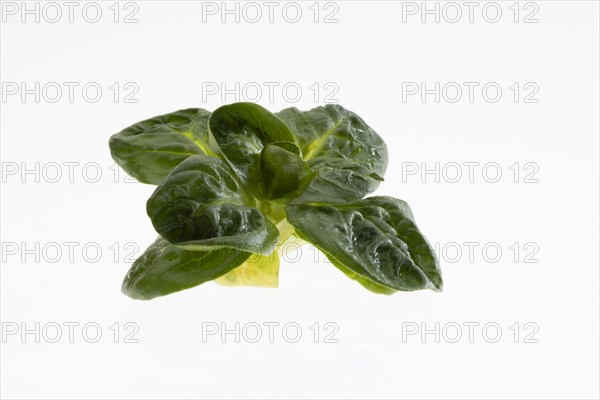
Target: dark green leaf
[150,149]
[347,157]
[242,130]
[201,205]
[375,238]
[336,181]
[282,170]
[164,269]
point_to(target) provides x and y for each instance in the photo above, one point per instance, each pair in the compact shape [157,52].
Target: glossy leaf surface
[242,131]
[282,169]
[164,269]
[201,205]
[150,149]
[347,156]
[375,238]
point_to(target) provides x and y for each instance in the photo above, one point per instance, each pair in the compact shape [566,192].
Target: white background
[368,54]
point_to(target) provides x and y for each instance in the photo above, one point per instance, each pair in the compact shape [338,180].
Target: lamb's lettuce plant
[236,184]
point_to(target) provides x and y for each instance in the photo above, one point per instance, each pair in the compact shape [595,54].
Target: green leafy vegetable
[282,168]
[234,185]
[200,205]
[375,238]
[150,149]
[348,158]
[164,269]
[242,131]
